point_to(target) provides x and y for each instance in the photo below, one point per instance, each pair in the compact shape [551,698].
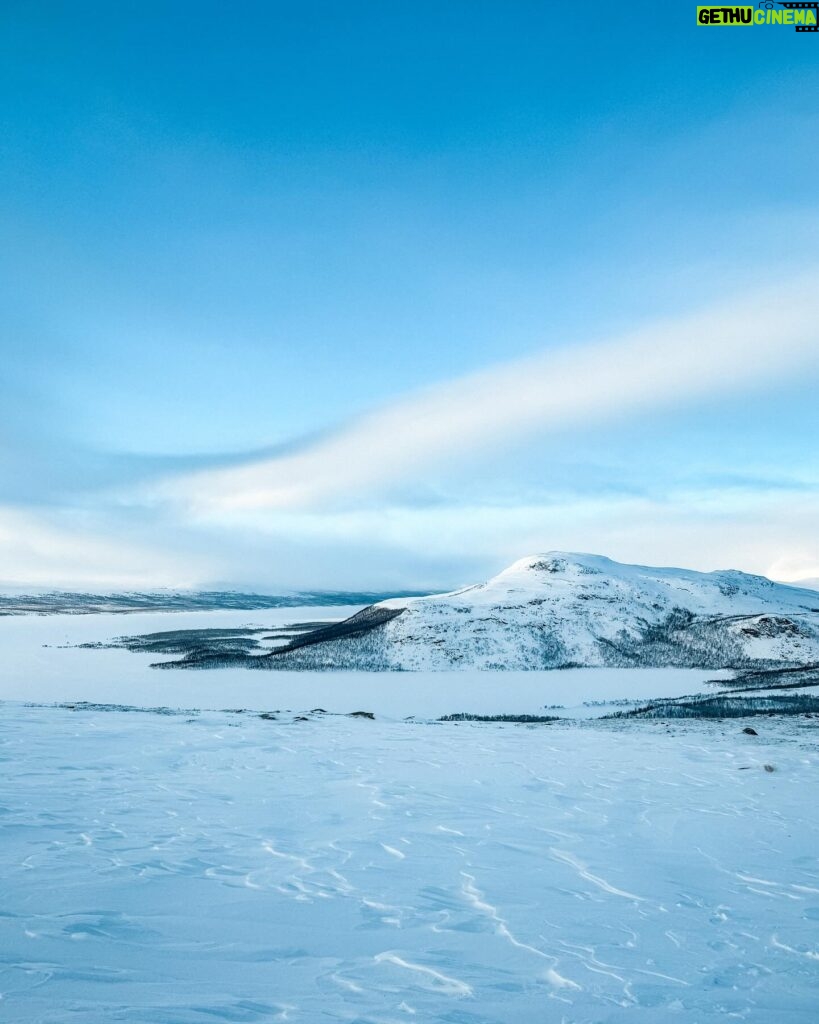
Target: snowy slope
[559,609]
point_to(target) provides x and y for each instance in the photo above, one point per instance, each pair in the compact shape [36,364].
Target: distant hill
[560,609]
[68,602]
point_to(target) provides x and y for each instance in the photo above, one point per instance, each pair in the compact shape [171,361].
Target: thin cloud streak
[748,343]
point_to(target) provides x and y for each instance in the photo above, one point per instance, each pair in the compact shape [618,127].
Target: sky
[371,295]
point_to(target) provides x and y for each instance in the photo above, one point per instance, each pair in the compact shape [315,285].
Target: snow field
[217,867]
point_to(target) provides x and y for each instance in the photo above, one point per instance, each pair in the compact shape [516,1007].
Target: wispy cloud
[750,342]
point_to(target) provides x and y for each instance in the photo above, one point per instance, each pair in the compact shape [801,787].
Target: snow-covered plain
[216,867]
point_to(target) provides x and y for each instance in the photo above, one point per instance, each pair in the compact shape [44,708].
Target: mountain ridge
[562,609]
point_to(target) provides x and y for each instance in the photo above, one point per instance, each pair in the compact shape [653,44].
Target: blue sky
[233,235]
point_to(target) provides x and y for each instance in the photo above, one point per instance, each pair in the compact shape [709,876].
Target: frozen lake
[37,667]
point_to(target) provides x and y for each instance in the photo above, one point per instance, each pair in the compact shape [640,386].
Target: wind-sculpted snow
[199,867]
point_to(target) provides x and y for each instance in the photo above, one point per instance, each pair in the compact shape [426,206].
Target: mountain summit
[561,609]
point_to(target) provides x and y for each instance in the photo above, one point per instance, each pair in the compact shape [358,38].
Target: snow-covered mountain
[559,609]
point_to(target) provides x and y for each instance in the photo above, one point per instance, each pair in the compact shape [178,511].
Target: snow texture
[191,868]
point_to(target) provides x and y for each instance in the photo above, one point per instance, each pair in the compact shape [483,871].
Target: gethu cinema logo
[802,15]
